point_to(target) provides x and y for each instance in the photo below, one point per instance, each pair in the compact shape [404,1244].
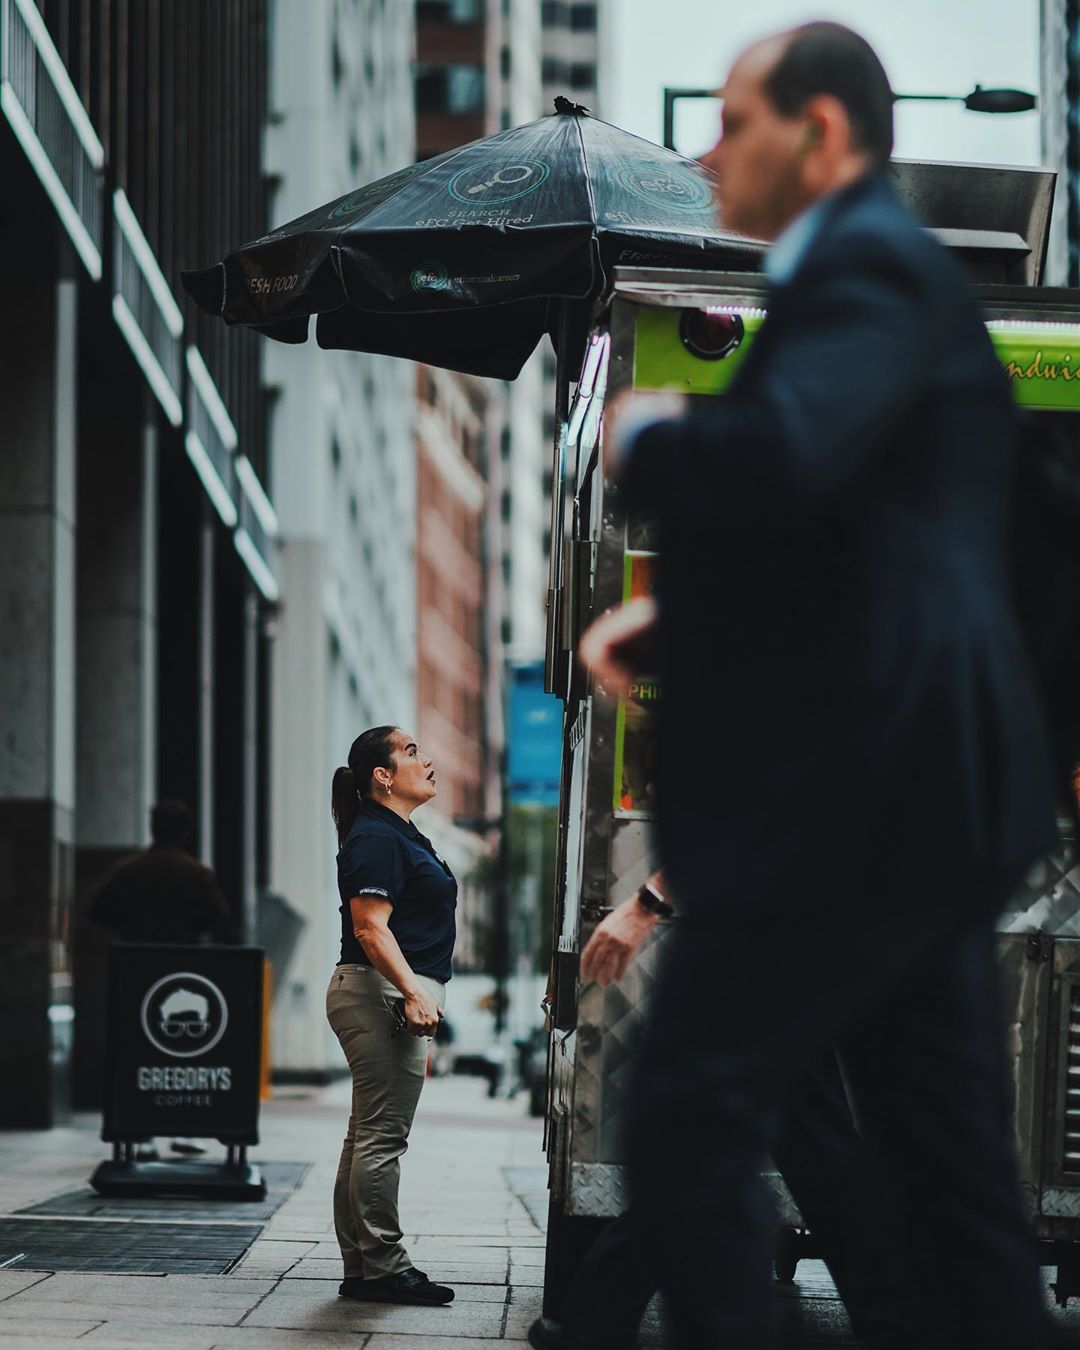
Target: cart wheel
[569,1237]
[786,1255]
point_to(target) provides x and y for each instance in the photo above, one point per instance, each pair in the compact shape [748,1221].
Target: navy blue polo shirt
[386,856]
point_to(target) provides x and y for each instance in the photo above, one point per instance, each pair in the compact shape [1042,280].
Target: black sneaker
[410,1286]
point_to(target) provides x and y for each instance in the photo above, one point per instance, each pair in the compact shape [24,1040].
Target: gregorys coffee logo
[678,189]
[184,1015]
[483,184]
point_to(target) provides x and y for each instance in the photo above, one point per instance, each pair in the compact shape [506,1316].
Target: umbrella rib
[645,141]
[588,173]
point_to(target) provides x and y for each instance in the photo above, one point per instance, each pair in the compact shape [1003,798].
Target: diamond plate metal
[1060,1202]
[597,1190]
[1049,899]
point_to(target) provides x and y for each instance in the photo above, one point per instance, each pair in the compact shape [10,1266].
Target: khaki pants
[387,1073]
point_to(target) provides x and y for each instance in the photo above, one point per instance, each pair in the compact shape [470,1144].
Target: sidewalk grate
[123,1248]
[281,1178]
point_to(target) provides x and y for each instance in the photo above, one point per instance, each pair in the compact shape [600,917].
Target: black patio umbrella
[466,260]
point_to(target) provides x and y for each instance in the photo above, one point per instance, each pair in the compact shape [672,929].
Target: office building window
[582,75]
[449,11]
[505,63]
[505,506]
[554,71]
[583,19]
[505,441]
[449,89]
[554,13]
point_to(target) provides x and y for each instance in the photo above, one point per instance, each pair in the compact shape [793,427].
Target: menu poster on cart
[635,741]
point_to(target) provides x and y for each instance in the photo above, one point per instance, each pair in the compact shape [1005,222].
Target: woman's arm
[371,928]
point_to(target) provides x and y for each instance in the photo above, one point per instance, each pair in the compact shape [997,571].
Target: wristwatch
[652,903]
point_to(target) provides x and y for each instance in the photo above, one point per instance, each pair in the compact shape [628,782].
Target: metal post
[500,928]
[149,604]
[558,497]
[670,96]
[206,686]
[251,759]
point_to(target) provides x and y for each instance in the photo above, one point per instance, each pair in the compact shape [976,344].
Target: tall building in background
[1059,115]
[576,43]
[342,442]
[576,47]
[136,524]
[452,638]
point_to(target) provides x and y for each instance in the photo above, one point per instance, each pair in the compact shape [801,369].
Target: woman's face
[413,773]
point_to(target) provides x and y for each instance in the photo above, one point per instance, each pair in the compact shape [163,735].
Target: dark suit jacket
[847,702]
[162,895]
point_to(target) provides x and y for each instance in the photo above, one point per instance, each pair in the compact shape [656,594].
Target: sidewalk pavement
[464,1224]
[473,1205]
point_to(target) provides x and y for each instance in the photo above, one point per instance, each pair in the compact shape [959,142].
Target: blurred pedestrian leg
[840,1195]
[924,1057]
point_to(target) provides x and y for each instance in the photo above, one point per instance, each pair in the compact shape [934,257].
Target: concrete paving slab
[526,1305]
[527,1276]
[14,1342]
[15,1281]
[34,1328]
[299,1305]
[152,1335]
[200,1295]
[384,1341]
[262,1338]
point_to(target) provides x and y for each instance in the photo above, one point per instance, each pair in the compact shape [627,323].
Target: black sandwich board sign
[183,1057]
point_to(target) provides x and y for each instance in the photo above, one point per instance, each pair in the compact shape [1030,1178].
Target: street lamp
[979,100]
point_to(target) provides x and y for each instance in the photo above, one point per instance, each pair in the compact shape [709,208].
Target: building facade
[453,598]
[137,565]
[342,445]
[1059,116]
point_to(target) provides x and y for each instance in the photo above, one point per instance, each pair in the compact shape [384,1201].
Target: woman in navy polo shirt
[386,995]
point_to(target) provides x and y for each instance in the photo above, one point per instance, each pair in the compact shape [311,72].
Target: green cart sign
[1042,360]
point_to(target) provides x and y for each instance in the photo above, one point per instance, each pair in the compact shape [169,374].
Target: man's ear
[811,138]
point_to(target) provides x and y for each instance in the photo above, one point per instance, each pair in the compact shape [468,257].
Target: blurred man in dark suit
[854,770]
[163,894]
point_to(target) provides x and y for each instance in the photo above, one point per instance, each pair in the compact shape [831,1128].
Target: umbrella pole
[554,677]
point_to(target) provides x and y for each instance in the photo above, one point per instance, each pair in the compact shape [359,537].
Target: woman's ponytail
[344,801]
[373,749]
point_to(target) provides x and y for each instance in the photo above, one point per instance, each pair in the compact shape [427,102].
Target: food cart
[660,329]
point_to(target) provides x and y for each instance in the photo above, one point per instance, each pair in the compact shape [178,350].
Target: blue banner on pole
[534,738]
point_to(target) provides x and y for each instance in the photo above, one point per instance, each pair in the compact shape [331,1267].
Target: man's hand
[627,412]
[614,942]
[615,648]
[421,1014]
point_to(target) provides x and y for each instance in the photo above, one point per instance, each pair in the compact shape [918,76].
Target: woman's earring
[387,786]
